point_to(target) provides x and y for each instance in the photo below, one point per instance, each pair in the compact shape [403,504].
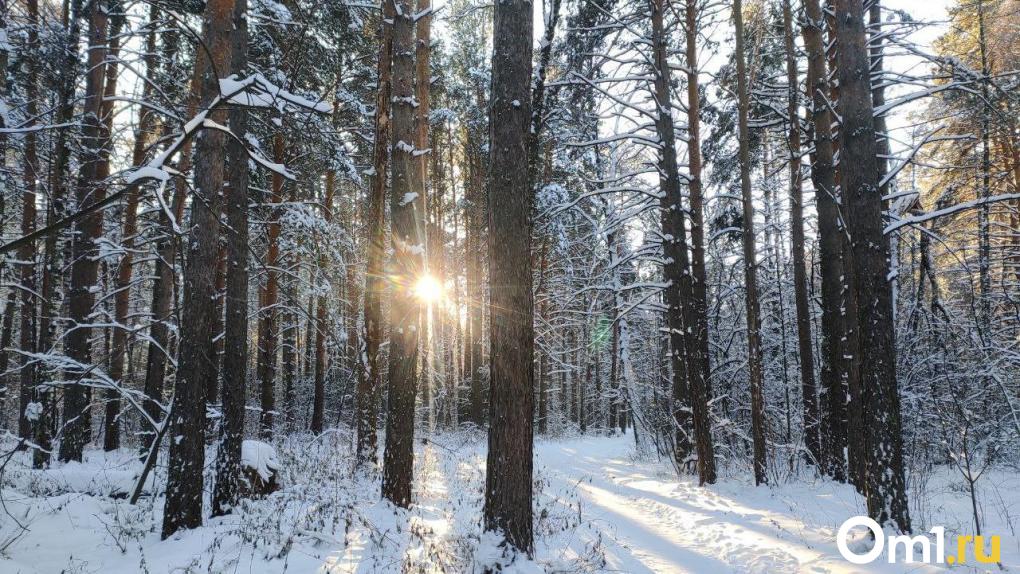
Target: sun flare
[428,289]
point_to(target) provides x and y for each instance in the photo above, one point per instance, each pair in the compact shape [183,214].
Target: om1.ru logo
[912,544]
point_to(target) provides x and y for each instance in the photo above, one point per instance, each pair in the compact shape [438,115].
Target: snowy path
[655,524]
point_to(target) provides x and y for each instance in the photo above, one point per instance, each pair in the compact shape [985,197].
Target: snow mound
[260,457]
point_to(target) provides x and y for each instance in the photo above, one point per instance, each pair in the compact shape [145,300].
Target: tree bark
[54,248]
[226,491]
[754,362]
[197,353]
[84,265]
[319,392]
[289,331]
[833,423]
[701,378]
[885,486]
[370,379]
[676,270]
[406,204]
[7,329]
[269,314]
[27,253]
[809,393]
[165,282]
[474,281]
[508,475]
[122,279]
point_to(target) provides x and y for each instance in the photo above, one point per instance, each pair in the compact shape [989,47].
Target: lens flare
[428,289]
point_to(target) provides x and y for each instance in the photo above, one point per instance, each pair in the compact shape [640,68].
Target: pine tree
[407,209]
[226,491]
[754,366]
[886,488]
[370,379]
[508,476]
[197,352]
[89,190]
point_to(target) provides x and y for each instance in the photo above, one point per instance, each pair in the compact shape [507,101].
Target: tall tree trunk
[371,380]
[269,320]
[122,281]
[165,282]
[475,290]
[226,491]
[885,486]
[422,91]
[84,264]
[823,176]
[543,354]
[7,329]
[319,392]
[699,302]
[984,213]
[406,204]
[289,331]
[508,475]
[676,271]
[754,362]
[809,394]
[212,388]
[27,253]
[64,84]
[442,363]
[197,353]
[856,414]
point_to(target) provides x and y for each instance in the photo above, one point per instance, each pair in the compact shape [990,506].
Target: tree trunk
[422,91]
[84,264]
[754,366]
[508,476]
[856,414]
[319,393]
[676,269]
[886,490]
[197,353]
[269,315]
[800,282]
[543,354]
[165,282]
[475,295]
[370,380]
[289,332]
[226,491]
[212,389]
[700,379]
[538,94]
[122,280]
[65,84]
[406,204]
[27,253]
[984,213]
[823,176]
[7,330]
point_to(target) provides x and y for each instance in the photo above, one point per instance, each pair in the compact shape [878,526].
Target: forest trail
[654,524]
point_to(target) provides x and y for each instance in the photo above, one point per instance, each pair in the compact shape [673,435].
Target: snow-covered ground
[599,508]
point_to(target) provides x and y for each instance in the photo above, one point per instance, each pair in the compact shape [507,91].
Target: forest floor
[600,507]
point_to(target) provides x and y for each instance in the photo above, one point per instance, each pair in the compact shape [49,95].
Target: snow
[146,172]
[599,507]
[260,457]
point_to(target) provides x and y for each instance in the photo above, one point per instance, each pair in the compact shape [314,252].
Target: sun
[428,289]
